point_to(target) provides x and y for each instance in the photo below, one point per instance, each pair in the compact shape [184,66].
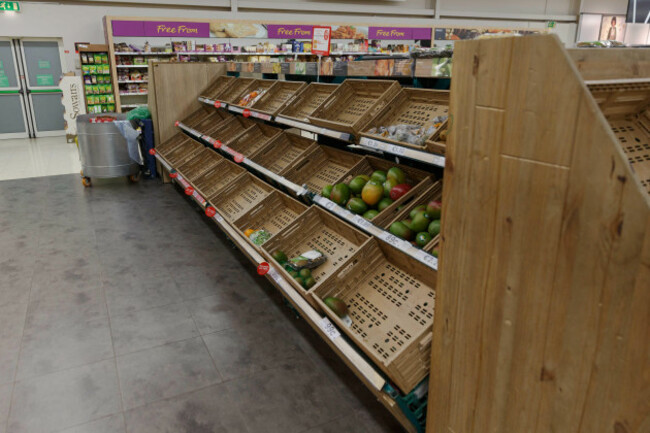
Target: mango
[340,194]
[396,174]
[372,192]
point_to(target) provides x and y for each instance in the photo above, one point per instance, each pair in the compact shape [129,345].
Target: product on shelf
[336,305]
[412,134]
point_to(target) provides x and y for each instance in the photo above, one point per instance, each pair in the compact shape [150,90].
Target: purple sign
[399,33]
[288,31]
[174,28]
[128,28]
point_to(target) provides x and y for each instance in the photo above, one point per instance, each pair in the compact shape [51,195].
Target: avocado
[356,184]
[340,194]
[294,274]
[420,222]
[384,203]
[304,273]
[434,228]
[378,176]
[416,210]
[300,280]
[396,174]
[400,230]
[279,256]
[423,238]
[336,305]
[327,191]
[370,214]
[309,283]
[357,206]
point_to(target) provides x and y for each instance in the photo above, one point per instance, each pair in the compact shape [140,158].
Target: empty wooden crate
[217,178]
[230,93]
[277,96]
[217,86]
[316,229]
[230,129]
[272,214]
[183,153]
[413,107]
[198,115]
[390,300]
[282,151]
[172,143]
[201,163]
[307,101]
[353,104]
[322,166]
[240,196]
[253,139]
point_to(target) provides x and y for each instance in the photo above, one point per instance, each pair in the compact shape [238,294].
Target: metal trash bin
[103,150]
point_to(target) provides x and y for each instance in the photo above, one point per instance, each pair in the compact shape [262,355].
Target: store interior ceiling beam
[508,16]
[333,8]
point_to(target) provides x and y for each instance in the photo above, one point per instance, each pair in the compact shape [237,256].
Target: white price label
[182,181]
[198,197]
[427,259]
[438,160]
[369,142]
[397,150]
[329,204]
[236,109]
[276,276]
[328,328]
[395,241]
[361,222]
[218,218]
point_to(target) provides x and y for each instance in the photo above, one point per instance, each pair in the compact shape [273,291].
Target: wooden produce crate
[253,139]
[390,299]
[307,101]
[438,141]
[240,196]
[183,153]
[277,96]
[433,192]
[626,107]
[282,151]
[218,177]
[230,129]
[257,85]
[172,143]
[218,117]
[418,179]
[201,163]
[410,107]
[218,86]
[230,93]
[320,167]
[272,214]
[198,115]
[316,229]
[353,104]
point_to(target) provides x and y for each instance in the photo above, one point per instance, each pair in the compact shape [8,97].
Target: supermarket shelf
[205,139]
[344,349]
[406,152]
[132,105]
[228,53]
[356,220]
[131,66]
[213,102]
[250,113]
[127,53]
[365,143]
[131,81]
[362,223]
[134,94]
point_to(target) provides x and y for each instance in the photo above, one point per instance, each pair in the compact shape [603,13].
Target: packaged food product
[307,260]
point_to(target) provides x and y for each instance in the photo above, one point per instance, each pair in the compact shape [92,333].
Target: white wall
[83,22]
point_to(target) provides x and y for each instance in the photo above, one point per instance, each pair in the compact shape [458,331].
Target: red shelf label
[216,143]
[152,152]
[217,104]
[263,268]
[210,211]
[177,123]
[173,175]
[246,113]
[189,190]
[239,158]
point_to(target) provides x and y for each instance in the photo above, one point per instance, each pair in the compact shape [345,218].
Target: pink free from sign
[176,28]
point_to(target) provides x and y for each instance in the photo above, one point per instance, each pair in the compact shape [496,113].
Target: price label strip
[329,329]
[260,115]
[403,151]
[199,198]
[236,109]
[276,276]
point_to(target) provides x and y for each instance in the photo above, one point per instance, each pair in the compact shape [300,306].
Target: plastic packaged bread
[240,30]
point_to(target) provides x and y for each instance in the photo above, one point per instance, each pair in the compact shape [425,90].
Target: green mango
[340,194]
[384,203]
[396,174]
[416,210]
[357,206]
[378,176]
[370,214]
[357,184]
[400,230]
[420,222]
[434,228]
[327,190]
[423,238]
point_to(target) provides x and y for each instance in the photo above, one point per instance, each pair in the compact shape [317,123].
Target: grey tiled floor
[123,310]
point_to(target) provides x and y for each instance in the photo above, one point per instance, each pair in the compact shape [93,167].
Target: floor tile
[60,309]
[12,321]
[289,398]
[109,424]
[75,275]
[210,410]
[242,351]
[68,398]
[47,349]
[152,327]
[5,401]
[46,156]
[139,288]
[165,371]
[227,310]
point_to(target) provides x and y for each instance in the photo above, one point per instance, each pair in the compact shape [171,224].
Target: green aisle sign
[9,6]
[43,64]
[4,80]
[45,80]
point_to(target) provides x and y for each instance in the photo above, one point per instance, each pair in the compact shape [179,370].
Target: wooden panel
[543,301]
[609,64]
[175,86]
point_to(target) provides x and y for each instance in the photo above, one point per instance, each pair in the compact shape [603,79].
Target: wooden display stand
[543,297]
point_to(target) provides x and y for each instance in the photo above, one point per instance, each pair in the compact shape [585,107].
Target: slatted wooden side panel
[543,298]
